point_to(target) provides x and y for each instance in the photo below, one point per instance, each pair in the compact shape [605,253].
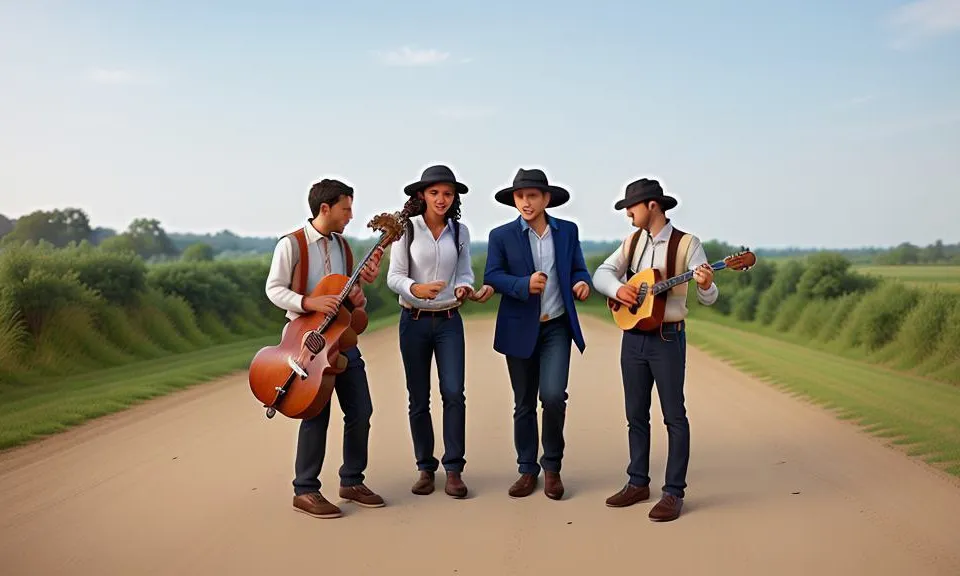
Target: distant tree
[199,252]
[58,227]
[119,243]
[6,225]
[150,238]
[100,234]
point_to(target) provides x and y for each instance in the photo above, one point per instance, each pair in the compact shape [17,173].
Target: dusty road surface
[199,483]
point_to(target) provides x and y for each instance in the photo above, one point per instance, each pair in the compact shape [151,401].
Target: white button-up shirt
[430,260]
[611,275]
[544,260]
[285,257]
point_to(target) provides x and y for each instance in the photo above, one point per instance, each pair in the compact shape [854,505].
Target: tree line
[147,237]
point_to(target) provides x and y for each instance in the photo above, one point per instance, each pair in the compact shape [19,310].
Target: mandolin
[647,313]
[297,376]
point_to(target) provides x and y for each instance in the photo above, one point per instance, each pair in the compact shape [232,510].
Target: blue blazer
[508,270]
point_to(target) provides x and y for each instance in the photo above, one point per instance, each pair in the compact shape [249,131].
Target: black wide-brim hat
[534,178]
[435,175]
[642,190]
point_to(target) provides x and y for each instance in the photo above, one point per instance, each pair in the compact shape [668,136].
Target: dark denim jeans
[420,340]
[353,393]
[544,374]
[645,359]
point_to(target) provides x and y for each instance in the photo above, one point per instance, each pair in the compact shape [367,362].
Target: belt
[678,325]
[416,313]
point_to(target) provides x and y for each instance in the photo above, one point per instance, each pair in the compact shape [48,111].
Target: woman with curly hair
[431,273]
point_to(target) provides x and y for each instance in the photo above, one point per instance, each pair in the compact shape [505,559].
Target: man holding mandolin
[654,350]
[293,273]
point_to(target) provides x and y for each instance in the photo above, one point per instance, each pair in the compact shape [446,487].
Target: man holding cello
[288,286]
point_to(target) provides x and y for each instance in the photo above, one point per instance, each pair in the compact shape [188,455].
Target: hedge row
[824,303]
[75,309]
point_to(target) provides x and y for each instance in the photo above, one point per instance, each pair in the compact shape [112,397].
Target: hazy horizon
[811,125]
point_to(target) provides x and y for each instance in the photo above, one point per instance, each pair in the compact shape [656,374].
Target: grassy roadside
[30,412]
[917,414]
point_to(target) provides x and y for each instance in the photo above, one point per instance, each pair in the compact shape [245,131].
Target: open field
[190,483]
[947,277]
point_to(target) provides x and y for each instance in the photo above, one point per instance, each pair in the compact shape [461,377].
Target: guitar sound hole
[314,342]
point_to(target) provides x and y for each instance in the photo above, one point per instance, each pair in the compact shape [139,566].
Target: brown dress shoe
[455,486]
[424,484]
[524,486]
[316,505]
[668,508]
[628,496]
[552,485]
[361,495]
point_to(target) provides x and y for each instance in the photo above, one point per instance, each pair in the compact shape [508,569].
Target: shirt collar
[313,235]
[664,233]
[525,227]
[419,222]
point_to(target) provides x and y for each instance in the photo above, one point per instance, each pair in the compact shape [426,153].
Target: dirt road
[199,483]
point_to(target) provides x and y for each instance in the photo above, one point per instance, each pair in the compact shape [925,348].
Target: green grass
[32,411]
[920,415]
[946,276]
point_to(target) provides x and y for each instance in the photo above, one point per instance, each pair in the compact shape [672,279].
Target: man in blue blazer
[535,263]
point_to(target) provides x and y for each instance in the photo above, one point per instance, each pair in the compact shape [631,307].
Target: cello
[297,376]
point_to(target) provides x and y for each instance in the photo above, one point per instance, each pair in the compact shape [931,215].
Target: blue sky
[812,123]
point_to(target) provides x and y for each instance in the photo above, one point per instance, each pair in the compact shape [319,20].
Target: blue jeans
[420,339]
[645,359]
[544,374]
[353,393]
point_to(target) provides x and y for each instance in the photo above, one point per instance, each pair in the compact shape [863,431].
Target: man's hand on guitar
[704,276]
[372,267]
[357,297]
[581,290]
[627,294]
[538,282]
[326,305]
[428,291]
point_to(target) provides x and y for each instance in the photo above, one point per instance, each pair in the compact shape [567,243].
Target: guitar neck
[687,276]
[355,276]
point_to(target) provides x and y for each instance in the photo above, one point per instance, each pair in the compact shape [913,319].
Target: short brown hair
[327,191]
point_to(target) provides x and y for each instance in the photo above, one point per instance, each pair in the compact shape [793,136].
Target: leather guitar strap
[634,240]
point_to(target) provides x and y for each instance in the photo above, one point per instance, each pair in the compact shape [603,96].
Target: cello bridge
[295,366]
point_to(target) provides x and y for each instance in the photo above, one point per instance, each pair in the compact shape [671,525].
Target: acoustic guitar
[647,313]
[297,376]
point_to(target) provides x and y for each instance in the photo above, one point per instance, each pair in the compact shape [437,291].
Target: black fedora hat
[534,178]
[642,190]
[435,175]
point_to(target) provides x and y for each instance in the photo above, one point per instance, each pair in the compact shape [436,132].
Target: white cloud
[466,111]
[407,56]
[116,77]
[923,19]
[856,101]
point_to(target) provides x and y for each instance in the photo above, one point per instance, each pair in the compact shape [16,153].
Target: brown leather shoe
[668,508]
[628,496]
[455,486]
[361,495]
[316,505]
[424,484]
[524,486]
[552,485]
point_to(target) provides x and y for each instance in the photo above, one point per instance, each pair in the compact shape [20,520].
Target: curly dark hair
[416,206]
